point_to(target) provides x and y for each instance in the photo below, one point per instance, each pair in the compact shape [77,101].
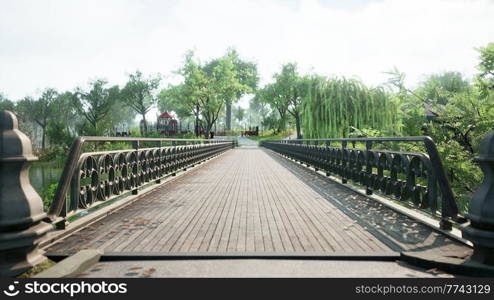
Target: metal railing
[94,177]
[416,178]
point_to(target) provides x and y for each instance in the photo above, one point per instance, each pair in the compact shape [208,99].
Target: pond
[43,174]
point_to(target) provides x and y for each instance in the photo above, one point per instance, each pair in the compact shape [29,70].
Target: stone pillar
[21,208]
[480,231]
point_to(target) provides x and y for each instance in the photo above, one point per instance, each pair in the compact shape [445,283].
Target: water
[42,175]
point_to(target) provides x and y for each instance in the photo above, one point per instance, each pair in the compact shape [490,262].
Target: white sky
[64,44]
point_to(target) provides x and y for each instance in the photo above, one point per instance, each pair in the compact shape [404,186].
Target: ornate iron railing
[93,177]
[416,178]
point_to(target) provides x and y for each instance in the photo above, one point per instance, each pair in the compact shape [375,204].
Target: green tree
[269,94]
[246,73]
[184,97]
[205,89]
[221,85]
[457,115]
[96,104]
[138,94]
[166,102]
[6,104]
[290,89]
[259,109]
[334,107]
[41,111]
[486,66]
[239,113]
[62,126]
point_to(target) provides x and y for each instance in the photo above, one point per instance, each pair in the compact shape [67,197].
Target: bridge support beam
[480,231]
[21,208]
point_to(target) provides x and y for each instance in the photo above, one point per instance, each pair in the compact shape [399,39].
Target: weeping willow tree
[333,106]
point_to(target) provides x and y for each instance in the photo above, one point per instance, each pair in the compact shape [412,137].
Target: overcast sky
[64,44]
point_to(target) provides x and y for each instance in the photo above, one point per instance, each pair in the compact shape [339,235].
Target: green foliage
[48,194]
[246,74]
[41,111]
[333,106]
[55,154]
[364,132]
[485,80]
[205,89]
[457,115]
[6,104]
[138,94]
[95,105]
[284,97]
[239,113]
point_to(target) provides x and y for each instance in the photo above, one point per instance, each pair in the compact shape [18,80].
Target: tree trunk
[228,116]
[196,113]
[207,131]
[196,126]
[144,130]
[43,137]
[281,124]
[297,125]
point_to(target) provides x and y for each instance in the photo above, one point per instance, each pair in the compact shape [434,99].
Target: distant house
[166,124]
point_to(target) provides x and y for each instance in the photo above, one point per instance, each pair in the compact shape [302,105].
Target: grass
[37,269]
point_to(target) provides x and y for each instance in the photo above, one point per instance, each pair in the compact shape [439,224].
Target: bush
[48,194]
[52,154]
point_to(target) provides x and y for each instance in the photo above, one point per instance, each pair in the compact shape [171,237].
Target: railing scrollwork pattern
[94,177]
[412,177]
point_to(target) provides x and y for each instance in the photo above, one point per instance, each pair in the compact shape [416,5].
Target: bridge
[348,207]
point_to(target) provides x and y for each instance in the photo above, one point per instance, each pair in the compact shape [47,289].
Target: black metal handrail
[359,165]
[145,164]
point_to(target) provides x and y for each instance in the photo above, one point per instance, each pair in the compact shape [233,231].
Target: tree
[184,96]
[61,127]
[221,84]
[239,113]
[41,111]
[205,89]
[269,95]
[138,94]
[290,88]
[485,79]
[246,74]
[457,115]
[166,102]
[260,110]
[6,104]
[96,104]
[338,107]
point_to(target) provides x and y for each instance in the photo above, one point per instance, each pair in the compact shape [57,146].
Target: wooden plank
[217,233]
[182,224]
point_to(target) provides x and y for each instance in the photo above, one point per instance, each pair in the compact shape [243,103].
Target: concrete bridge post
[480,231]
[21,208]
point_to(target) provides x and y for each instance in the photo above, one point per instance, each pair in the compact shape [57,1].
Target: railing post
[136,146]
[21,208]
[344,164]
[368,167]
[160,145]
[327,144]
[480,231]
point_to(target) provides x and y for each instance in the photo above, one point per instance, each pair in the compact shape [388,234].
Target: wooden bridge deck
[252,200]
